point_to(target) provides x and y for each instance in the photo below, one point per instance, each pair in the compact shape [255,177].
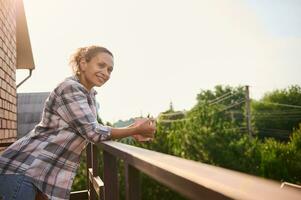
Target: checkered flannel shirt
[50,153]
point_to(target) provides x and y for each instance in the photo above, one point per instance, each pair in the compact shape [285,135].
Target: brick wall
[8,101]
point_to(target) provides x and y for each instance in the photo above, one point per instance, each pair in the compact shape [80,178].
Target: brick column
[8,101]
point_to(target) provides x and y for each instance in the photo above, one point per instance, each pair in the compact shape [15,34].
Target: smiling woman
[93,65]
[44,162]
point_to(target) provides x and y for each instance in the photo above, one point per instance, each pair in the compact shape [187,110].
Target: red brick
[1,133]
[3,123]
[14,125]
[6,97]
[6,114]
[12,140]
[2,53]
[14,133]
[2,93]
[9,89]
[6,59]
[14,98]
[1,33]
[5,45]
[1,72]
[14,108]
[10,133]
[6,133]
[4,85]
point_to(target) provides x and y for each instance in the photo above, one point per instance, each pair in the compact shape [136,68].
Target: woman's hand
[145,127]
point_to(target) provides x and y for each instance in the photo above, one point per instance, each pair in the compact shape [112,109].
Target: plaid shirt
[50,153]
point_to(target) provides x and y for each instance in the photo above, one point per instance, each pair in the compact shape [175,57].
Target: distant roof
[29,111]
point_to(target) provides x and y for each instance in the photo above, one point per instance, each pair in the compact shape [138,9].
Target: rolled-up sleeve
[74,109]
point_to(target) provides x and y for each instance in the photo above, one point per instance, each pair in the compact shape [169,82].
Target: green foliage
[282,161]
[80,180]
[291,95]
[226,100]
[273,119]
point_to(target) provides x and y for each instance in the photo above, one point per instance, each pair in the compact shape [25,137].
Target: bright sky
[167,50]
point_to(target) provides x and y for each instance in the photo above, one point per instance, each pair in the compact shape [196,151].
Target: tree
[278,113]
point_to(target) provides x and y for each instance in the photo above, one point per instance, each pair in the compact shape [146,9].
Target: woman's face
[97,71]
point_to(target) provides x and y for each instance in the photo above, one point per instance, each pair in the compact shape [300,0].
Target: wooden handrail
[192,179]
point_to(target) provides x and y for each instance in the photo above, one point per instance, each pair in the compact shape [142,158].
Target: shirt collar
[92,91]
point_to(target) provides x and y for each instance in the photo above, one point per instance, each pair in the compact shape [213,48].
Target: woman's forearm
[117,133]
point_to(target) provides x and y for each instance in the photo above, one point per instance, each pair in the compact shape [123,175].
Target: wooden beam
[196,180]
[132,182]
[79,195]
[110,177]
[97,183]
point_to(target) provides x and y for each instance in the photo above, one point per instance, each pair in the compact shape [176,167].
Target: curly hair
[87,53]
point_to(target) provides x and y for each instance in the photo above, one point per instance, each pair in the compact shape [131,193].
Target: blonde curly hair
[87,53]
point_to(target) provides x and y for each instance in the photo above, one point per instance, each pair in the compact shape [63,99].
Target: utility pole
[248,111]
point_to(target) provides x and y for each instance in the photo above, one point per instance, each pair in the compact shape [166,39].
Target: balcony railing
[193,180]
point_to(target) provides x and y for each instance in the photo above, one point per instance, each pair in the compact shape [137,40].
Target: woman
[45,160]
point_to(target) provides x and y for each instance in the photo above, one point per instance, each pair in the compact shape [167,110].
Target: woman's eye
[101,66]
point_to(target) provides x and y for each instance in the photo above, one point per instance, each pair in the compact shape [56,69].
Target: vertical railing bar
[95,161]
[90,165]
[110,177]
[132,182]
[95,164]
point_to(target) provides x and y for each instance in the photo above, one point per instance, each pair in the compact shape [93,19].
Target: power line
[220,100]
[222,96]
[277,112]
[236,104]
[271,129]
[281,104]
[279,117]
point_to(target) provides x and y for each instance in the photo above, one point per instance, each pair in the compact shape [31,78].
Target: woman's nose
[107,74]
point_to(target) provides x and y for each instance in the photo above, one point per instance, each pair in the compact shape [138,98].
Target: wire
[223,99]
[236,104]
[278,130]
[281,104]
[278,115]
[271,112]
[222,96]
